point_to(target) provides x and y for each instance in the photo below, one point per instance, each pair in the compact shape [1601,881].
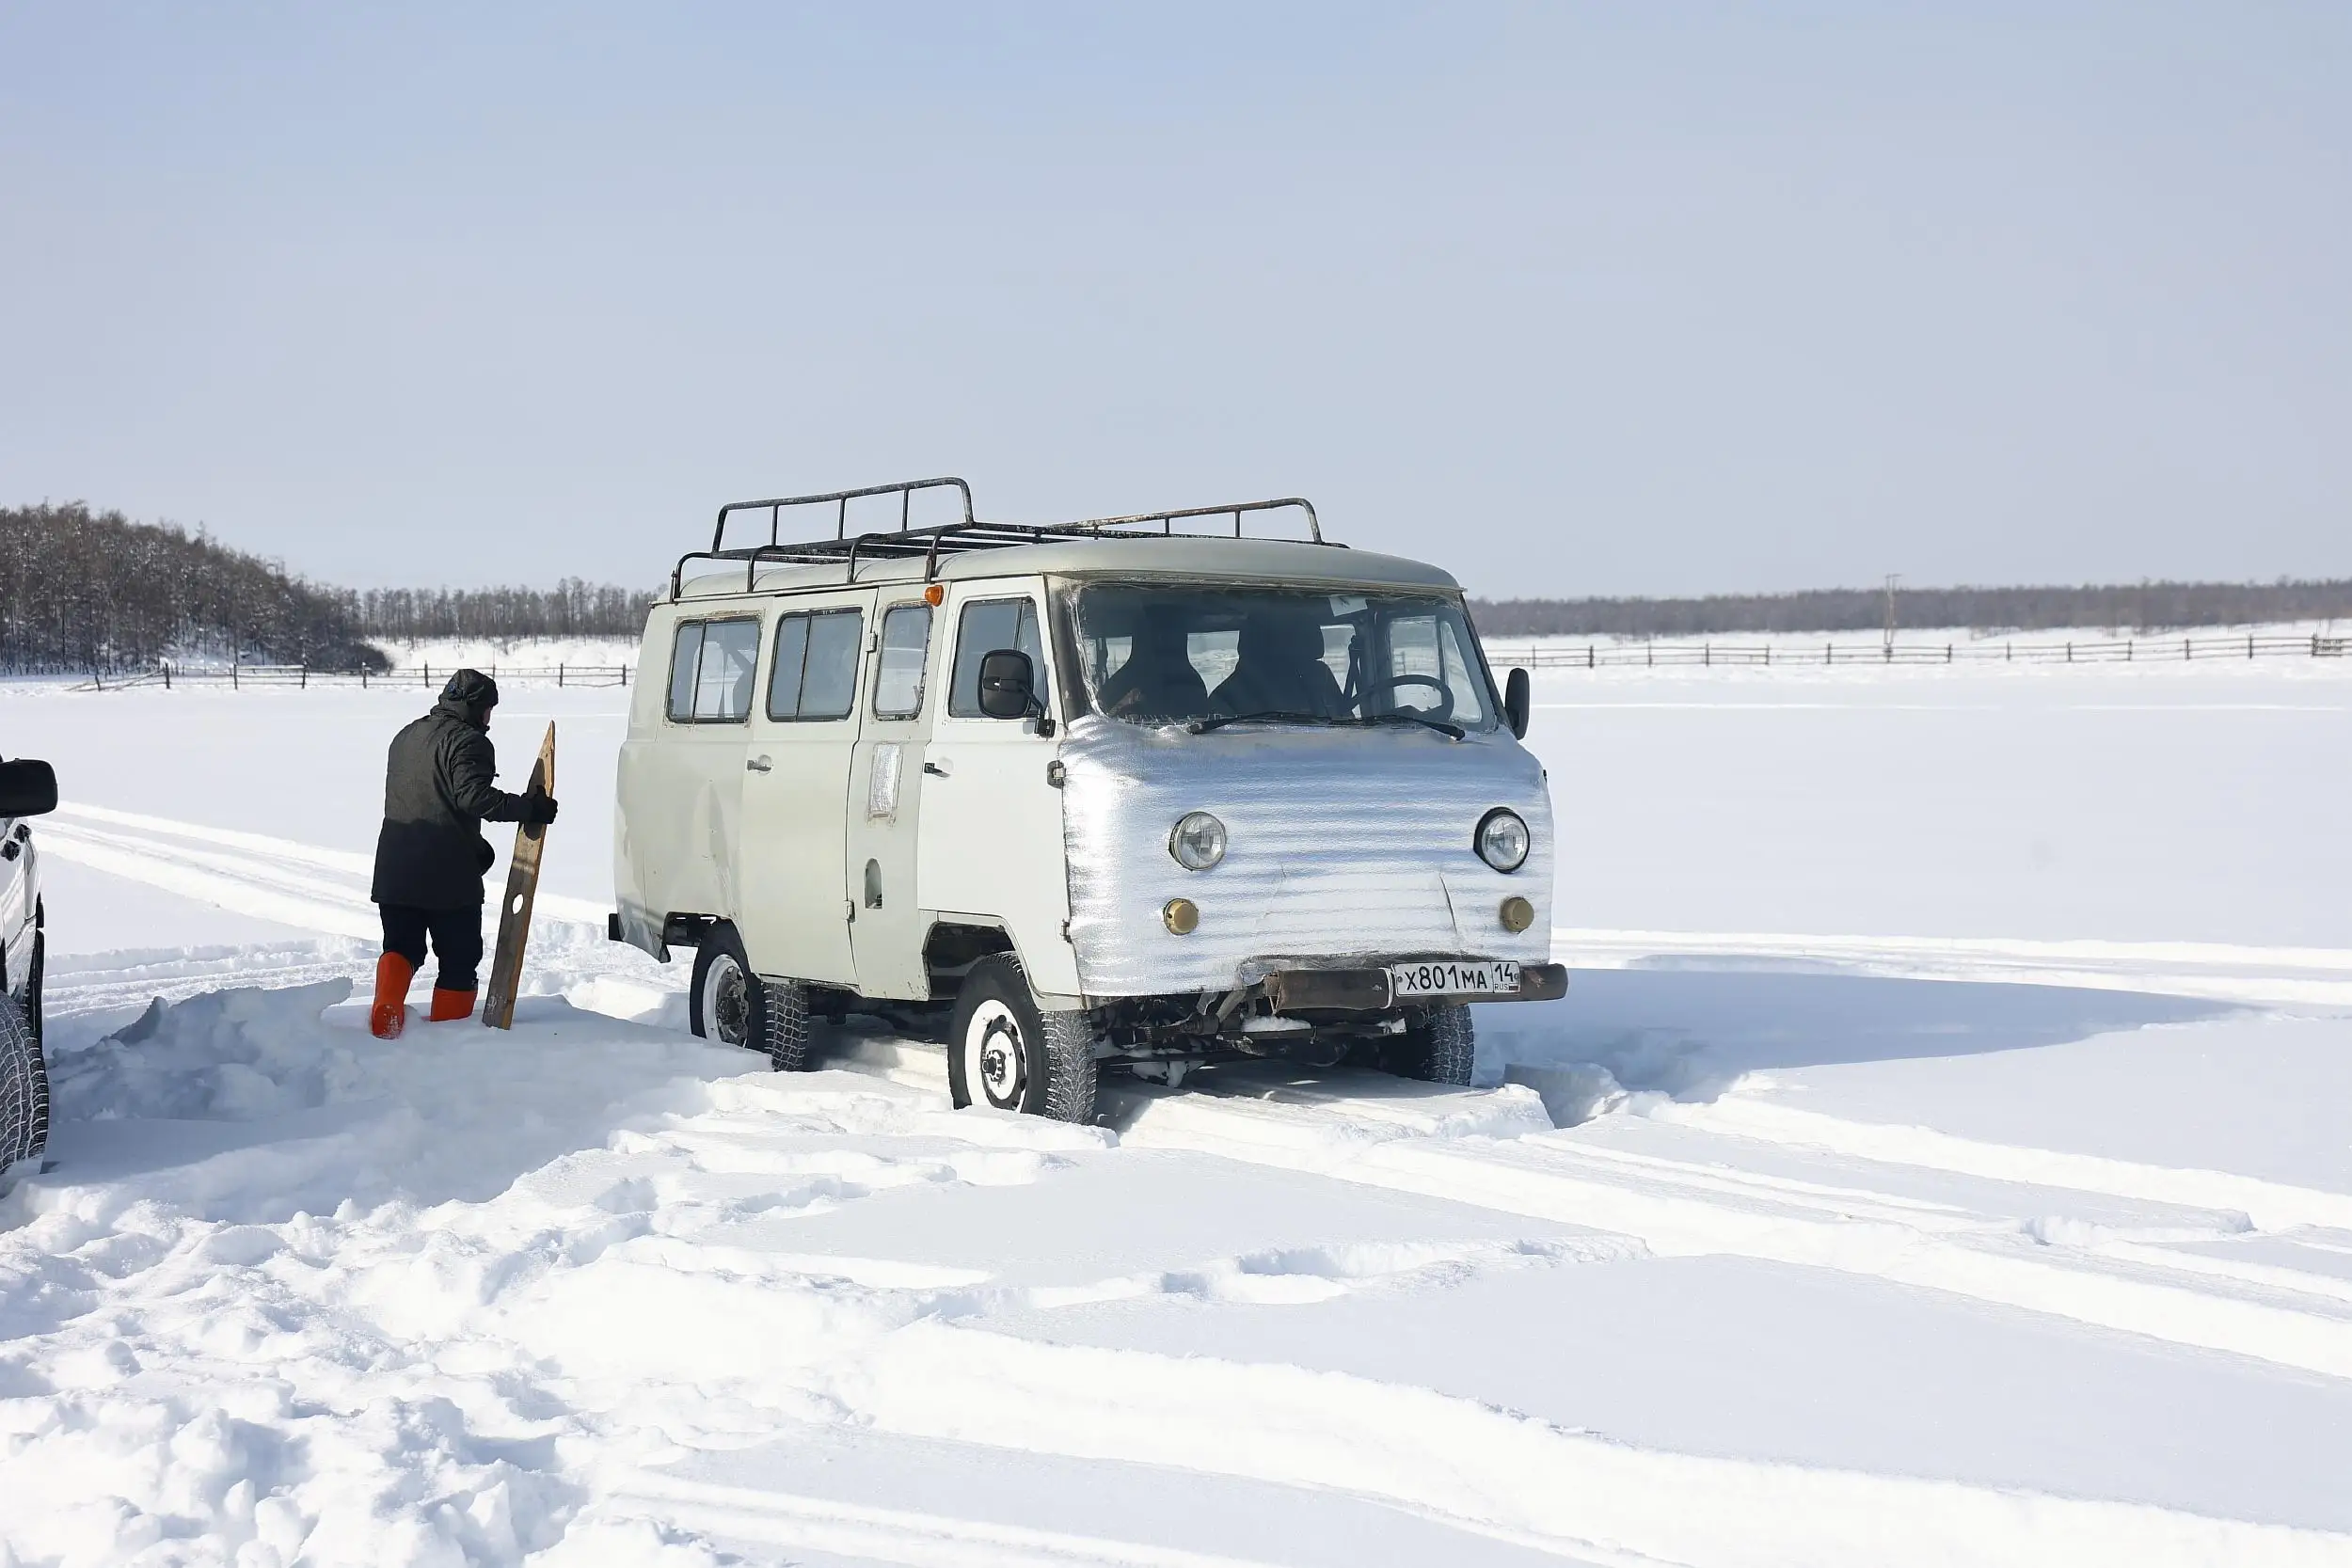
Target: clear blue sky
[1638,299]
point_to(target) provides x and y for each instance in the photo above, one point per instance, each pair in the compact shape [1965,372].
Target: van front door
[990,843]
[886,805]
[795,916]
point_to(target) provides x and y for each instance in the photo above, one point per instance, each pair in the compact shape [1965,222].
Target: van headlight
[1503,839]
[1196,841]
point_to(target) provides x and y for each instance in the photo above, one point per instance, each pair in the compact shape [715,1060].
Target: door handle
[758,764]
[935,770]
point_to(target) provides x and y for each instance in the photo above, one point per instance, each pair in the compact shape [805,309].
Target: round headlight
[1198,841]
[1502,840]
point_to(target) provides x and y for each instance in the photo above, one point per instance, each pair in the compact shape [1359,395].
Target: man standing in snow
[431,857]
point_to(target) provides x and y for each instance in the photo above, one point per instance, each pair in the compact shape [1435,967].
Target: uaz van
[1111,794]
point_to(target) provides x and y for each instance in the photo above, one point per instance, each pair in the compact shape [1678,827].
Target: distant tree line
[570,609]
[2142,607]
[85,591]
[82,591]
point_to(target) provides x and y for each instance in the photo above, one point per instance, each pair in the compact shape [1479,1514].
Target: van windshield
[1175,653]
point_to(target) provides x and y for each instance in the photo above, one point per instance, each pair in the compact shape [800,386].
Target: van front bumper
[1366,991]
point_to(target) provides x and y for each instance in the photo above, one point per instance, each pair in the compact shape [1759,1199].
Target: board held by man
[522,891]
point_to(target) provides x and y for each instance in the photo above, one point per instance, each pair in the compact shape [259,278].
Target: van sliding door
[795,912]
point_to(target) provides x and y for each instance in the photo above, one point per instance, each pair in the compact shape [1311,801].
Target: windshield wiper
[1288,716]
[1263,716]
[1404,716]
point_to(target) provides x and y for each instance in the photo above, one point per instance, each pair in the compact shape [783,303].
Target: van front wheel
[1004,1052]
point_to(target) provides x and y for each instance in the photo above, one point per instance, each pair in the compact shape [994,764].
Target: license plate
[1448,978]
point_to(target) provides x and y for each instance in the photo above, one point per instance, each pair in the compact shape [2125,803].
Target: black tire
[1440,1046]
[724,1000]
[1003,1051]
[34,1015]
[785,1009]
[24,1089]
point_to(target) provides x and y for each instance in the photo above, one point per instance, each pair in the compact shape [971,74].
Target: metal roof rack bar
[931,543]
[1233,508]
[904,490]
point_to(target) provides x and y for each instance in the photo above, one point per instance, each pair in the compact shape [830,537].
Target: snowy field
[508,653]
[1944,1156]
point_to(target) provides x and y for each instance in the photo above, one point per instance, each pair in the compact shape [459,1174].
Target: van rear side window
[713,665]
[816,669]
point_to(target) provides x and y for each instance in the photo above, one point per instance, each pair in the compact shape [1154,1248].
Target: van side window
[988,625]
[815,674]
[712,666]
[906,642]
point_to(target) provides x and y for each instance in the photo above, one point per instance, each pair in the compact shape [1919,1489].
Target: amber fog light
[1181,916]
[1517,913]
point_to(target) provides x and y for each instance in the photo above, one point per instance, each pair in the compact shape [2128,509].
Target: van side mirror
[1007,684]
[1517,700]
[27,788]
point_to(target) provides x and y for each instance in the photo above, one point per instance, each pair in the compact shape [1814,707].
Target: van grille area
[1344,846]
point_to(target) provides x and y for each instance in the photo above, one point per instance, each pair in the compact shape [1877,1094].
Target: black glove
[537,810]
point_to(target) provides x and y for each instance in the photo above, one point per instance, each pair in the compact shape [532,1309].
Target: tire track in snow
[2272,1205]
[1677,1209]
[273,878]
[881,1534]
[1507,1475]
[2220,972]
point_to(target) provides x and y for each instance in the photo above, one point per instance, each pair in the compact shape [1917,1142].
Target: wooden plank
[522,891]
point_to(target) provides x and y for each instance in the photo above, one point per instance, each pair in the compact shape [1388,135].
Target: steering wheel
[1443,711]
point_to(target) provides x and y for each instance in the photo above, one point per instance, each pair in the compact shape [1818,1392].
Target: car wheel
[1004,1052]
[33,1013]
[785,1006]
[725,1002]
[24,1089]
[1439,1047]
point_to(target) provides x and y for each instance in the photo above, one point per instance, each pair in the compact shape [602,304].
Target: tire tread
[785,1003]
[24,1089]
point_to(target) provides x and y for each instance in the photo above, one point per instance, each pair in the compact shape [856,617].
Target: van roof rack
[970,534]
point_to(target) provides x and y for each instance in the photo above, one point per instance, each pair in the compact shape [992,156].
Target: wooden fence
[301,675]
[2130,650]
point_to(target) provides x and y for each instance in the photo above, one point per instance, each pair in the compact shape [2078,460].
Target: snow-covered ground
[508,653]
[1943,1156]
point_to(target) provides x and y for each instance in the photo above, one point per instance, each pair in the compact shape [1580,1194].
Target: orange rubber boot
[449,1005]
[389,1015]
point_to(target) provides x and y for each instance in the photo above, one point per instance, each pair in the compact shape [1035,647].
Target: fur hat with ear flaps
[471,695]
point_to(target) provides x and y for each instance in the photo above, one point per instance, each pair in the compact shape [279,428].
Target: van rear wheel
[1439,1047]
[723,1002]
[1004,1052]
[728,1002]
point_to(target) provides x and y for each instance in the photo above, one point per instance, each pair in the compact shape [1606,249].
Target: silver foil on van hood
[1343,845]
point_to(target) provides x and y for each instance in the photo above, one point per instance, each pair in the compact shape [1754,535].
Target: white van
[1109,794]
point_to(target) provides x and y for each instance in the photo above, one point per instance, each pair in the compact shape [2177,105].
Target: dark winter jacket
[438,792]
